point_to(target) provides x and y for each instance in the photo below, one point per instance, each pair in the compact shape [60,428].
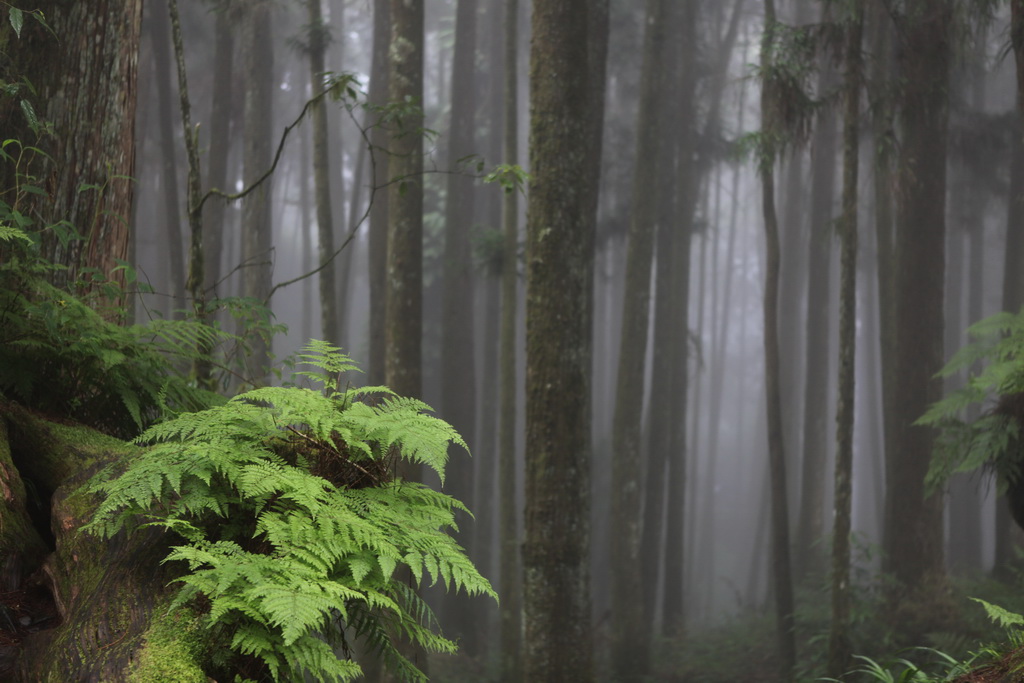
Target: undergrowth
[295,528]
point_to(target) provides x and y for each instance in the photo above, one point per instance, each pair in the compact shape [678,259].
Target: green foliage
[1011,622]
[58,354]
[993,437]
[511,178]
[294,524]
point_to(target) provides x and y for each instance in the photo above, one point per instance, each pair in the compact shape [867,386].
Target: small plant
[294,524]
[997,391]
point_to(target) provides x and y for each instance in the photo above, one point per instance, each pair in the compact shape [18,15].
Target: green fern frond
[293,525]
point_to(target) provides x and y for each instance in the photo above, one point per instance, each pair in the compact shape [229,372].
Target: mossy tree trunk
[559,291]
[108,620]
[839,648]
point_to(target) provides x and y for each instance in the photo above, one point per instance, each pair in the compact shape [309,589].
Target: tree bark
[781,565]
[329,327]
[377,97]
[912,539]
[458,372]
[557,644]
[257,249]
[630,651]
[85,72]
[839,648]
[510,587]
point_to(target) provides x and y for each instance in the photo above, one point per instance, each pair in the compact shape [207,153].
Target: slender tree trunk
[379,202]
[817,339]
[322,177]
[839,652]
[781,571]
[557,644]
[630,652]
[510,586]
[256,208]
[220,142]
[458,374]
[160,33]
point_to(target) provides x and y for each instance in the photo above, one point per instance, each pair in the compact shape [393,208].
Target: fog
[726,538]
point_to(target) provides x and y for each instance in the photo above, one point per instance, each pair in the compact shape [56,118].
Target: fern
[294,524]
[992,438]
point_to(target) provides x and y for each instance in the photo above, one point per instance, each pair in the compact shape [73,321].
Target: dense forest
[564,340]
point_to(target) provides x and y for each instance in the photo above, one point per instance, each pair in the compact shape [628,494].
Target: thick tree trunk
[557,644]
[913,535]
[85,73]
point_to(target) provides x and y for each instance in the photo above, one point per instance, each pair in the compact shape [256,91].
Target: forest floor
[1009,669]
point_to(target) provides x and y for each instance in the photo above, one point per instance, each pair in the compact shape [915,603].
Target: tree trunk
[378,96]
[913,523]
[557,644]
[458,374]
[839,638]
[781,571]
[160,34]
[329,327]
[817,339]
[630,652]
[510,587]
[85,72]
[221,115]
[257,249]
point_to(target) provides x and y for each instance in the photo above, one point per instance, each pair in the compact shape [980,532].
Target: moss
[172,650]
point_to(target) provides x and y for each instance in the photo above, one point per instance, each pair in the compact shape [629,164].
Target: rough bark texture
[85,73]
[557,643]
[258,65]
[630,651]
[404,316]
[912,538]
